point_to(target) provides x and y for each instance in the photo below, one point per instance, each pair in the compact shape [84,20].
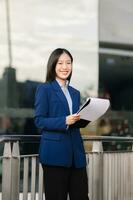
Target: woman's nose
[64,65]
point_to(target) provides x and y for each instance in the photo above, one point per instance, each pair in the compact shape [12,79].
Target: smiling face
[63,68]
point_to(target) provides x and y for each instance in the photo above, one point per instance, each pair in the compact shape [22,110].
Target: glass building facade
[31,33]
[98,33]
[116,68]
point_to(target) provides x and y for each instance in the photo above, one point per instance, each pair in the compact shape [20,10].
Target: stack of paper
[93,108]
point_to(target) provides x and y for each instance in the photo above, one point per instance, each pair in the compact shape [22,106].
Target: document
[93,108]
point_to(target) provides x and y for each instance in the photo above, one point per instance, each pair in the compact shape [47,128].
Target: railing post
[96,172]
[6,172]
[97,146]
[40,185]
[25,178]
[33,179]
[87,170]
[15,172]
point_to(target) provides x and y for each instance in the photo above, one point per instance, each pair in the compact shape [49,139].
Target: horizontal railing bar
[21,138]
[89,152]
[36,138]
[107,138]
[29,155]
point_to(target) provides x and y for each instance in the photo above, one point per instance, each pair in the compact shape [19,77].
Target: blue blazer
[60,145]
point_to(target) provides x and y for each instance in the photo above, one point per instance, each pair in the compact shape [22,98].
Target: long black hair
[52,61]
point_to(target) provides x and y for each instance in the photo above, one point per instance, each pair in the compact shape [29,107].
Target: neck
[62,82]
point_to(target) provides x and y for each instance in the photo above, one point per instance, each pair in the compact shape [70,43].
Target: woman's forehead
[64,56]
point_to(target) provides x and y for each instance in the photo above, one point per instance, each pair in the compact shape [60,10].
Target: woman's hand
[71,119]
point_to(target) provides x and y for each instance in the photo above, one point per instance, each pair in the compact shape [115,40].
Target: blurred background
[98,33]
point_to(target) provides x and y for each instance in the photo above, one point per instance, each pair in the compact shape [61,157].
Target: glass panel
[35,29]
[115,19]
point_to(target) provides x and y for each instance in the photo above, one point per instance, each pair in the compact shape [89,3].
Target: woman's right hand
[71,119]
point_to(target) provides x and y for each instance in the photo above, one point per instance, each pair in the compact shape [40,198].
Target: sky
[40,26]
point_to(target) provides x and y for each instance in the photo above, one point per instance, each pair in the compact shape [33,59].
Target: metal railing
[110,174]
[22,175]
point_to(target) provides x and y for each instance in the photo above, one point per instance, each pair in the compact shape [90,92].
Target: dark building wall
[16,104]
[27,94]
[8,89]
[15,94]
[116,80]
[3,95]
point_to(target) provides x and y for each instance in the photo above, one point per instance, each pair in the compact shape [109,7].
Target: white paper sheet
[96,108]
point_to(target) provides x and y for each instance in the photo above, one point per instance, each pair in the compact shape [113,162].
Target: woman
[61,150]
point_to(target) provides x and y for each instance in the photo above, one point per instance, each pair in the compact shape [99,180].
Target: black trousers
[61,181]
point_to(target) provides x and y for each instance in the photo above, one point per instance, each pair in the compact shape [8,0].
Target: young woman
[61,150]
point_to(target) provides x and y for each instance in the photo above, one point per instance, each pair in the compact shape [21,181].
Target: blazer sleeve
[42,120]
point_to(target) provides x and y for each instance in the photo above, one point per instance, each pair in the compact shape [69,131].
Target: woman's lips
[64,72]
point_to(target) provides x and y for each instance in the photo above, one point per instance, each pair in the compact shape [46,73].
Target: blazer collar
[61,95]
[56,86]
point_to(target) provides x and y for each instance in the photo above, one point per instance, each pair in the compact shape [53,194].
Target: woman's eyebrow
[63,60]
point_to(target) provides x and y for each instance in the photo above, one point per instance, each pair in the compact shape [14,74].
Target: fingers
[76,117]
[71,119]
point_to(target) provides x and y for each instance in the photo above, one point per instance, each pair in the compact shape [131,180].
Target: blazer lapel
[74,100]
[60,94]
